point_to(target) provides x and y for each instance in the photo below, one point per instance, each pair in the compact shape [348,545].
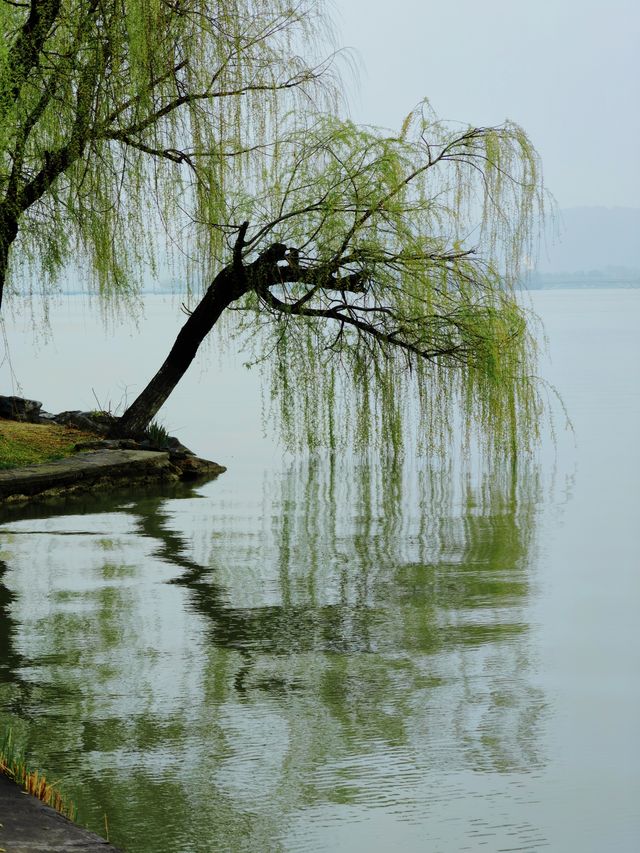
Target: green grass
[13,765]
[30,444]
[157,434]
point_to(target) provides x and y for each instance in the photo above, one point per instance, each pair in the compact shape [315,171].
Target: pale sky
[568,71]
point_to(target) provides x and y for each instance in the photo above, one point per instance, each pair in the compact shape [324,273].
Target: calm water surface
[337,654]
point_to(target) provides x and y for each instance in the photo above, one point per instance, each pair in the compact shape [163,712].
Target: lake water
[333,655]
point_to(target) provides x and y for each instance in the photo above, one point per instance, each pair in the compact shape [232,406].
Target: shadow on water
[342,638]
[345,556]
[11,686]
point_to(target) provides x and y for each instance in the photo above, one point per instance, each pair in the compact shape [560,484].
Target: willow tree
[117,115]
[364,267]
[351,275]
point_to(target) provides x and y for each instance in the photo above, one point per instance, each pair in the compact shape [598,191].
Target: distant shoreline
[580,284]
[553,284]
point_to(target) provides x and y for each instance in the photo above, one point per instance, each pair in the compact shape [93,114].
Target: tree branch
[58,161]
[237,249]
[23,55]
[367,328]
[265,273]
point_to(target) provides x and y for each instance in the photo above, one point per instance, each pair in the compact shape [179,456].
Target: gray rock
[129,444]
[82,420]
[173,446]
[180,448]
[19,409]
[67,417]
[105,467]
[192,467]
[84,471]
[98,444]
[110,444]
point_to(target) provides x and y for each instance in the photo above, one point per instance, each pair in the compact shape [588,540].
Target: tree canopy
[114,109]
[366,267]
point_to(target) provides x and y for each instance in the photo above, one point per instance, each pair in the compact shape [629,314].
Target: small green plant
[13,765]
[107,412]
[157,434]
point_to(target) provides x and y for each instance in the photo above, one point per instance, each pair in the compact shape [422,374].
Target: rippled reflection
[336,656]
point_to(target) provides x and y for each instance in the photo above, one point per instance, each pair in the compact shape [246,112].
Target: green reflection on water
[333,643]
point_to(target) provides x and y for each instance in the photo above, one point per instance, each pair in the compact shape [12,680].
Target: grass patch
[29,444]
[157,434]
[13,765]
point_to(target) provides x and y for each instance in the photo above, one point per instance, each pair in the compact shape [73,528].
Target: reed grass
[13,765]
[157,434]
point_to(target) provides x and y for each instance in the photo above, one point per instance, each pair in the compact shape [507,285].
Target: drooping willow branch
[267,273]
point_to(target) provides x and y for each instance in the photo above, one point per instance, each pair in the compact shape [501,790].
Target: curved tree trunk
[225,289]
[8,233]
[233,282]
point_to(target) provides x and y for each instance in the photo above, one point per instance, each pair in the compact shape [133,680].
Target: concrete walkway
[28,826]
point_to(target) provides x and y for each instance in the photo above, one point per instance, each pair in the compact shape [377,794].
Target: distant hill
[618,277]
[604,239]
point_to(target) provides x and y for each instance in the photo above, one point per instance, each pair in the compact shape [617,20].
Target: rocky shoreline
[98,464]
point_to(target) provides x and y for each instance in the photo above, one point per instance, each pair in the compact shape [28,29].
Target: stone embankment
[99,464]
[28,826]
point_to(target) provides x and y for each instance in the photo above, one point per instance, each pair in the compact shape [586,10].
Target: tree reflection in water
[349,635]
[11,686]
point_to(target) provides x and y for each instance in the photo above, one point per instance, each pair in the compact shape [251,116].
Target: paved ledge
[28,826]
[98,469]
